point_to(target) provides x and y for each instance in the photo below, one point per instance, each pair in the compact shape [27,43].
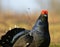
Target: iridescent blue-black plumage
[40,31]
[37,37]
[9,39]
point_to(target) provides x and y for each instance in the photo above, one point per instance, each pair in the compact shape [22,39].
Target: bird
[37,37]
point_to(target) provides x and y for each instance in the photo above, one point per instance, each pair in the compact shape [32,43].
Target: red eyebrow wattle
[44,12]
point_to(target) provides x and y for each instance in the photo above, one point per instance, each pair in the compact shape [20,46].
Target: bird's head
[44,16]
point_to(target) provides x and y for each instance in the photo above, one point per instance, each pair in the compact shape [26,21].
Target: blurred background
[24,13]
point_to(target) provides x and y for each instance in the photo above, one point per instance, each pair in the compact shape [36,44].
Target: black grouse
[37,37]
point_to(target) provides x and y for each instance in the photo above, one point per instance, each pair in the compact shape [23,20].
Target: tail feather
[11,36]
